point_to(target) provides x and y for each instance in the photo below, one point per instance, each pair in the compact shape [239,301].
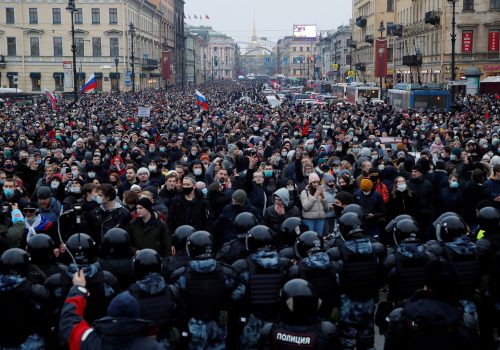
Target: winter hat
[456,151]
[313,177]
[327,178]
[365,152]
[146,204]
[418,167]
[143,170]
[230,148]
[190,178]
[135,187]
[123,305]
[43,192]
[345,197]
[440,164]
[57,177]
[366,185]
[240,197]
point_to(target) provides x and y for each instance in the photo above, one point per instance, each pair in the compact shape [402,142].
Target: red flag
[206,16]
[381,57]
[305,129]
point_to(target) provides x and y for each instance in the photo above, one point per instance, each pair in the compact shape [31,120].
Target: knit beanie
[240,197]
[313,177]
[366,185]
[123,305]
[146,204]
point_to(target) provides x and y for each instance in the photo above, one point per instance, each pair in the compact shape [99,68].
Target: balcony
[360,66]
[369,39]
[478,57]
[361,21]
[432,17]
[412,60]
[351,43]
[149,64]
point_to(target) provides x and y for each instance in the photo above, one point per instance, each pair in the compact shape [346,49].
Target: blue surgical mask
[204,191]
[454,184]
[9,192]
[98,199]
[162,149]
[268,173]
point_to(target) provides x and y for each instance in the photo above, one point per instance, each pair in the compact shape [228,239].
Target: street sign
[334,67]
[67,65]
[128,80]
[350,73]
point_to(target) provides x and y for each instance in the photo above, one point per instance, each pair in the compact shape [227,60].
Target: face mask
[310,147]
[91,175]
[187,190]
[98,199]
[125,147]
[325,168]
[209,139]
[374,157]
[366,192]
[75,174]
[331,185]
[453,157]
[8,166]
[338,210]
[268,173]
[454,184]
[355,139]
[162,149]
[401,187]
[255,128]
[54,184]
[7,153]
[374,178]
[151,150]
[356,150]
[295,134]
[194,153]
[381,167]
[290,187]
[415,134]
[76,190]
[9,192]
[204,191]
[197,171]
[284,154]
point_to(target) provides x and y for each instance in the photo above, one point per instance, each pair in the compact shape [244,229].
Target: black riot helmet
[82,246]
[354,208]
[405,231]
[292,227]
[307,244]
[299,302]
[14,261]
[392,224]
[146,261]
[41,248]
[200,245]
[488,219]
[116,242]
[349,224]
[180,236]
[259,238]
[452,227]
[244,222]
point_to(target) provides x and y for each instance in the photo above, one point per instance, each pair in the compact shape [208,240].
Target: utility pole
[381,29]
[72,9]
[453,39]
[132,57]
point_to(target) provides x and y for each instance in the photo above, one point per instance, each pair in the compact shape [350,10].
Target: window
[390,5]
[79,16]
[80,47]
[58,48]
[468,5]
[495,4]
[96,16]
[301,49]
[113,16]
[96,47]
[36,84]
[33,12]
[308,49]
[114,49]
[294,49]
[11,46]
[59,80]
[56,16]
[9,15]
[35,46]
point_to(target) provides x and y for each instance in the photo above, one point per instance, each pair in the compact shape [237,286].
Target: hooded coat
[272,219]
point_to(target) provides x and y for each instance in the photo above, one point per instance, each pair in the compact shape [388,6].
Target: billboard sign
[381,57]
[493,41]
[304,31]
[467,41]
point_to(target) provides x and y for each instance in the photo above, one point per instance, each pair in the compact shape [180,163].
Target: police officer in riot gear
[43,264]
[22,302]
[298,327]
[116,252]
[316,267]
[487,219]
[360,279]
[102,285]
[263,273]
[157,299]
[404,264]
[331,239]
[206,287]
[179,257]
[236,249]
[291,228]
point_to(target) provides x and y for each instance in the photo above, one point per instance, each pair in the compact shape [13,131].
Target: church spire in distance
[254,29]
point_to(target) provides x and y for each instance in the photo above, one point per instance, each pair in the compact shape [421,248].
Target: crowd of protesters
[96,165]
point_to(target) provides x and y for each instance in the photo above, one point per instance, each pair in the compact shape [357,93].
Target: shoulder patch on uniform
[86,333]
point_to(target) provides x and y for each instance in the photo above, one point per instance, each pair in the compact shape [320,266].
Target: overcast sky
[274,19]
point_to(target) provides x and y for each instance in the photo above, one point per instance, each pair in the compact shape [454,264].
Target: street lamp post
[131,31]
[381,29]
[453,39]
[72,9]
[117,60]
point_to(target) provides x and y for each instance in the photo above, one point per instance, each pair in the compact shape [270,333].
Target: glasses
[258,177]
[142,174]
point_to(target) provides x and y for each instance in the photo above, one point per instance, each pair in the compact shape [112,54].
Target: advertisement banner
[493,41]
[381,57]
[165,65]
[467,41]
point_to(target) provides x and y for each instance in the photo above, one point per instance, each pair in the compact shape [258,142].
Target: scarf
[31,228]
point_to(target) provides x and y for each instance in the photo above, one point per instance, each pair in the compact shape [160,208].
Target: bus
[339,90]
[416,96]
[358,93]
[22,98]
[323,87]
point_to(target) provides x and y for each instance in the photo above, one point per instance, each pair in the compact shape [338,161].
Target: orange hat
[400,146]
[366,185]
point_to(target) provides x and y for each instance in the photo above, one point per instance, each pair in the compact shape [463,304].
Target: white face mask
[401,187]
[152,167]
[367,192]
[197,171]
[91,175]
[98,199]
[54,184]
